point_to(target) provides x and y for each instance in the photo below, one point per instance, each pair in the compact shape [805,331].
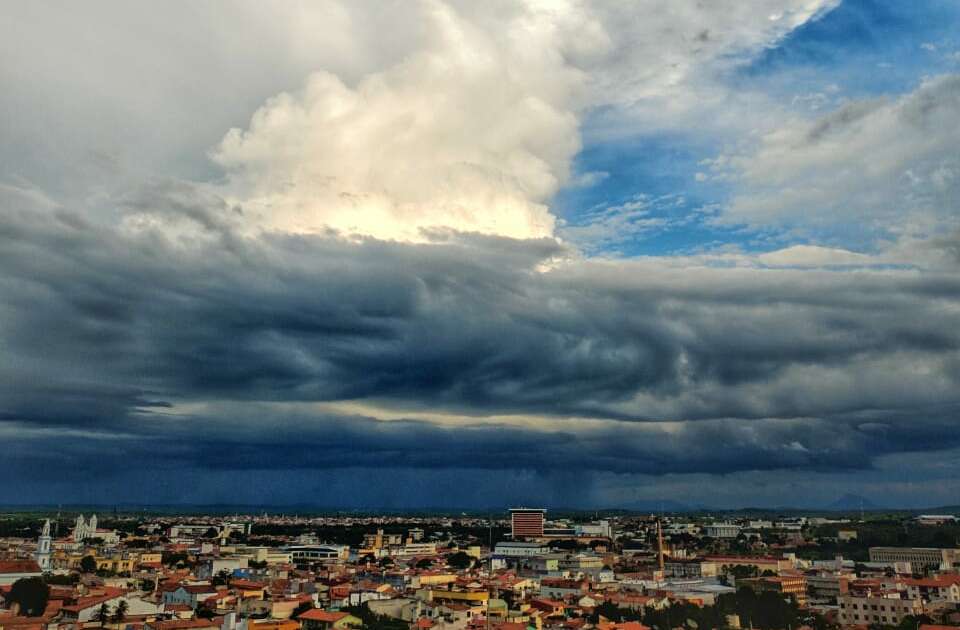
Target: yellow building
[150,557]
[473,598]
[433,579]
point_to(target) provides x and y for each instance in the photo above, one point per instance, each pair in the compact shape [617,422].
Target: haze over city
[451,254]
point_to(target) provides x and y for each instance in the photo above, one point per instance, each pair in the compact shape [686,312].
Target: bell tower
[43,547]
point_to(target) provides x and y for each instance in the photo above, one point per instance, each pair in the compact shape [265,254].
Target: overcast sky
[461,254]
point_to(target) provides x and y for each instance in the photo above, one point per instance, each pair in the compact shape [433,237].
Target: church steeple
[43,547]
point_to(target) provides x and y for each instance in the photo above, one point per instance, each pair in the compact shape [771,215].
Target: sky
[452,254]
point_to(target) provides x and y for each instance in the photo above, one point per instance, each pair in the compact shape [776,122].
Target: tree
[120,612]
[31,594]
[211,533]
[607,610]
[102,615]
[912,623]
[204,612]
[460,560]
[88,564]
[302,608]
[222,578]
[425,563]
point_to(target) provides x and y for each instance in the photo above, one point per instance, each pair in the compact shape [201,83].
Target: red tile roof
[19,566]
[318,614]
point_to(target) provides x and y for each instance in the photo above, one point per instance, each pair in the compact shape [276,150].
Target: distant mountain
[852,503]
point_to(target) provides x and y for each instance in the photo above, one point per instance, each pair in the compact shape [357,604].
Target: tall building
[43,547]
[526,522]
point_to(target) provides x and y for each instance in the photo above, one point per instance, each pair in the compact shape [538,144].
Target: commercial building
[722,530]
[918,557]
[692,568]
[527,522]
[307,554]
[762,563]
[520,549]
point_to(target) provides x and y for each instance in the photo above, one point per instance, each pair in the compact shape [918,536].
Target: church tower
[81,530]
[43,547]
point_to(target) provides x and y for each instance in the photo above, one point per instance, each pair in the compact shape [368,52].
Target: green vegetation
[88,564]
[120,612]
[102,615]
[31,594]
[460,560]
[764,611]
[372,621]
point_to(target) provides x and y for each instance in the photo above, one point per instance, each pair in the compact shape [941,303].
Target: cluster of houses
[204,577]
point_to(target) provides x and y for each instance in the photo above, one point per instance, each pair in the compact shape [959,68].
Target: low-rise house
[190,594]
[13,570]
[318,619]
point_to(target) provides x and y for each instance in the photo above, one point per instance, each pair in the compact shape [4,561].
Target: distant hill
[655,507]
[853,502]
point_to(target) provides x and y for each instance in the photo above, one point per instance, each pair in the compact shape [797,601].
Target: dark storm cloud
[104,327]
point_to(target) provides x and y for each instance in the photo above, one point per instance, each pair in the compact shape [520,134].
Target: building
[520,549]
[214,566]
[307,554]
[935,519]
[418,549]
[794,586]
[527,522]
[692,568]
[881,608]
[415,535]
[722,530]
[13,570]
[380,540]
[317,619]
[600,529]
[827,585]
[940,588]
[86,530]
[762,563]
[42,556]
[918,557]
[189,594]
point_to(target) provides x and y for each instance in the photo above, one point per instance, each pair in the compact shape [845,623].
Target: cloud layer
[333,259]
[228,352]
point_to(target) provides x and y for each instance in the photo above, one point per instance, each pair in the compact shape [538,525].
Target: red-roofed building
[13,570]
[318,619]
[943,587]
[549,607]
[186,624]
[626,625]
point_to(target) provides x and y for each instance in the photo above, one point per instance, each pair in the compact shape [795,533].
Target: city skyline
[447,254]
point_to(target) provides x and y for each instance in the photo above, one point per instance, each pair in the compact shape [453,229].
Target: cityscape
[510,570]
[479,314]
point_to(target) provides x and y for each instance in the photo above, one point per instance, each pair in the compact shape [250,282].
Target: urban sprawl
[522,569]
